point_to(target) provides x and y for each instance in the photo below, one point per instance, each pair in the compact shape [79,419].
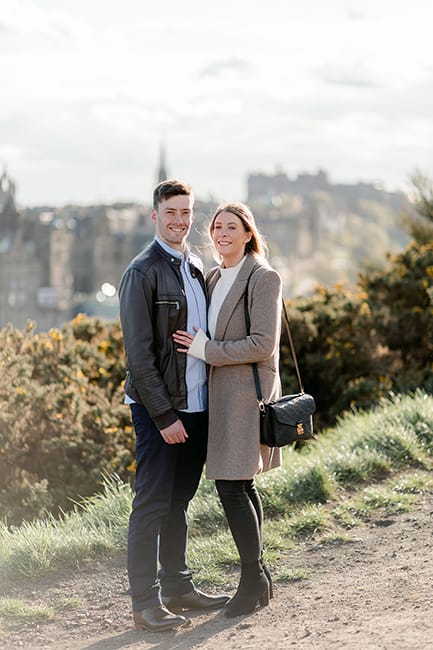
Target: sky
[90,89]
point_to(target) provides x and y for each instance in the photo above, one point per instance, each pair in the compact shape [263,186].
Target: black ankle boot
[268,575]
[253,588]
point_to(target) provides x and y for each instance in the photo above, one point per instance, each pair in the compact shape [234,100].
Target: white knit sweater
[221,289]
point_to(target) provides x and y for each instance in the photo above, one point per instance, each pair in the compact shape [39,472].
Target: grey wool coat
[234,449]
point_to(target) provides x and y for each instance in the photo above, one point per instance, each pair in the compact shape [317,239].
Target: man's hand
[174,433]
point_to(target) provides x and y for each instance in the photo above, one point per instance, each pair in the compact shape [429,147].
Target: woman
[234,454]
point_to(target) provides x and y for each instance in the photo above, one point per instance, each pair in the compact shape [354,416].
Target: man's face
[173,220]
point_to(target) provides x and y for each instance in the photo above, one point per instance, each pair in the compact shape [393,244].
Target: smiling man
[161,291]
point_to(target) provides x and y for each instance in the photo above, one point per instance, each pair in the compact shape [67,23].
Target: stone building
[57,261]
[20,269]
[36,275]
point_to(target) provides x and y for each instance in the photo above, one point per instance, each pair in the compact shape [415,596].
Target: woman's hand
[183,338]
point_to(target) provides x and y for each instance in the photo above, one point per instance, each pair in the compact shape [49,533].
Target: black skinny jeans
[243,508]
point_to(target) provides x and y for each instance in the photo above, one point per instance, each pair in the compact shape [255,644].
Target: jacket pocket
[168,303]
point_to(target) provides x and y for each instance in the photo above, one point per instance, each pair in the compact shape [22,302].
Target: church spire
[162,171]
[7,194]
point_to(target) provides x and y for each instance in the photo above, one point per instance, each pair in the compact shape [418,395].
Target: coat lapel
[233,297]
[212,278]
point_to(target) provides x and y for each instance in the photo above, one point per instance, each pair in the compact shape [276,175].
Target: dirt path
[375,592]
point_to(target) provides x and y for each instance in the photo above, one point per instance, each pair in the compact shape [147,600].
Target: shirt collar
[173,251]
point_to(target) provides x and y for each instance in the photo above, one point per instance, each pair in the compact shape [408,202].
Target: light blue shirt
[195,376]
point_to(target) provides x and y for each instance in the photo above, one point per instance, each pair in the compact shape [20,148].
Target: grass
[95,528]
[330,486]
[291,575]
[382,497]
[15,610]
[67,604]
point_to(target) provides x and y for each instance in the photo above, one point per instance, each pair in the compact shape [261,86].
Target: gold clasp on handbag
[299,429]
[261,405]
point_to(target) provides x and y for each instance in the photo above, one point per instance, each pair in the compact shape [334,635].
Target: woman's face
[230,237]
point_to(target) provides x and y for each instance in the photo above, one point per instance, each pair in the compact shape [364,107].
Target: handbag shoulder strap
[254,364]
[290,337]
[292,347]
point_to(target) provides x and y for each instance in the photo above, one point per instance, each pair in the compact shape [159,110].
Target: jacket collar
[164,253]
[192,259]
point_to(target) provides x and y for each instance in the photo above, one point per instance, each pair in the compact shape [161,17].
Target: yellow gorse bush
[64,421]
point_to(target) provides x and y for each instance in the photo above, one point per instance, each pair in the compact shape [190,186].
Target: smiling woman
[234,233]
[229,237]
[234,453]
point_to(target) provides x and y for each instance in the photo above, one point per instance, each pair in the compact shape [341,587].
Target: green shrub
[62,421]
[356,346]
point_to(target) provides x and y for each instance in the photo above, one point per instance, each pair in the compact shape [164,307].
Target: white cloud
[89,90]
[354,74]
[235,65]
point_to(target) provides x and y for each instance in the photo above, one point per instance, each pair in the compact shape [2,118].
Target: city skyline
[91,90]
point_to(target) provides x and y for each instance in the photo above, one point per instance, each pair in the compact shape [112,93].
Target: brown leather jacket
[152,307]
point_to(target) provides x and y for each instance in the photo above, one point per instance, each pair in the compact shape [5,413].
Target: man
[162,290]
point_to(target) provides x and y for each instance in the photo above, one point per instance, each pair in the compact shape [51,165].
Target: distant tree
[420,222]
[400,299]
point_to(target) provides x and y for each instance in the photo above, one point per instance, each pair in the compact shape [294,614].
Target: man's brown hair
[166,189]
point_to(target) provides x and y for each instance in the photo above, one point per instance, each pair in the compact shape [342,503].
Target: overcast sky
[90,88]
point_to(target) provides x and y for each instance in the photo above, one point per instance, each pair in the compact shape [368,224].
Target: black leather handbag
[288,419]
